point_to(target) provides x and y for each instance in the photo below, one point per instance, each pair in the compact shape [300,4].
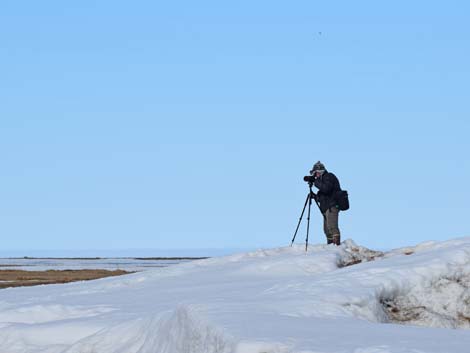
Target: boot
[336,239]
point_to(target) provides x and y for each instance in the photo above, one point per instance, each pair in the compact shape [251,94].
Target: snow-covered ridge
[330,299]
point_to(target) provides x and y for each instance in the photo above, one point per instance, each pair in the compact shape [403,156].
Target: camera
[310,179]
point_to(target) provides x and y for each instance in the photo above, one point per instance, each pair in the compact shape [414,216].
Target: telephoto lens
[309,178]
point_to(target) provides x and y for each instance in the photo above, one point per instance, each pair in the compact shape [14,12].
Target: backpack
[342,200]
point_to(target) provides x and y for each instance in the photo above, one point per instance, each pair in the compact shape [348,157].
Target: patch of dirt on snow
[19,278]
[355,254]
[444,303]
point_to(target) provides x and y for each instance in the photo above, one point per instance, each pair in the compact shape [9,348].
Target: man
[328,186]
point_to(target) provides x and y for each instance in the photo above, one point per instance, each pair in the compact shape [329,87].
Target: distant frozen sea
[126,264]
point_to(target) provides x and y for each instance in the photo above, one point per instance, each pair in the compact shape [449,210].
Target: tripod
[309,201]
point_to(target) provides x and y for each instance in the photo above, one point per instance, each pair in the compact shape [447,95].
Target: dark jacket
[328,186]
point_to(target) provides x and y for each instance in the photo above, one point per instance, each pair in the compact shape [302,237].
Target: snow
[284,300]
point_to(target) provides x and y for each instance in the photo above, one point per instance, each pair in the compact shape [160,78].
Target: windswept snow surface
[269,301]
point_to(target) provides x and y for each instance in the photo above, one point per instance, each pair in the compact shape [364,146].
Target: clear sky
[190,124]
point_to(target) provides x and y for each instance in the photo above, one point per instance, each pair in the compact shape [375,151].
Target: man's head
[318,169]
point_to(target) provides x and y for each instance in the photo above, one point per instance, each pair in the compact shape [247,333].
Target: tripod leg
[308,222]
[300,219]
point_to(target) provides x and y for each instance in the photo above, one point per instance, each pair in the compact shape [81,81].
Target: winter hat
[318,167]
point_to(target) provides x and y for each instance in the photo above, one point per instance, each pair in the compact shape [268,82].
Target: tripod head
[312,195]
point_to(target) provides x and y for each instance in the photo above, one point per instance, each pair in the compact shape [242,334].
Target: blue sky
[169,125]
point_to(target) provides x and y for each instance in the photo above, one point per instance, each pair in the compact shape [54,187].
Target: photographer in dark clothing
[328,186]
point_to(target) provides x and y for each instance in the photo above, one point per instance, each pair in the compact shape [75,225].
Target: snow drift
[331,299]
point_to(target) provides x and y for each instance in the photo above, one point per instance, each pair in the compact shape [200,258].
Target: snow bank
[178,331]
[32,314]
[441,302]
[330,299]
